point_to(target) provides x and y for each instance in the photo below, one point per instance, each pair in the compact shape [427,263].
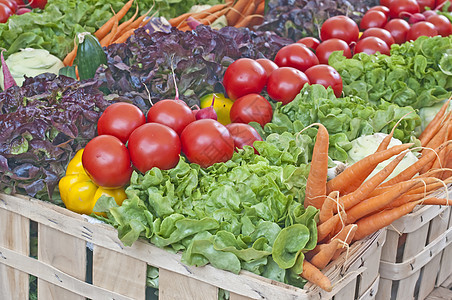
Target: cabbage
[428,113]
[31,62]
[368,144]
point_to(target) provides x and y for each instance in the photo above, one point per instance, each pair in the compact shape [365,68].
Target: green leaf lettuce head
[417,73]
[234,215]
[345,119]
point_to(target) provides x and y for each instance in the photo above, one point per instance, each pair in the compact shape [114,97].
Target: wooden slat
[119,273]
[384,289]
[64,252]
[371,293]
[368,277]
[347,292]
[233,296]
[14,235]
[176,286]
[446,260]
[440,293]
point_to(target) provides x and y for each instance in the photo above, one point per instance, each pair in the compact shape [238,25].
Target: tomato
[11,4]
[297,56]
[327,47]
[340,27]
[441,3]
[285,83]
[421,29]
[154,145]
[403,6]
[5,13]
[244,76]
[107,161]
[251,108]
[426,3]
[398,29]
[119,120]
[268,65]
[38,3]
[441,23]
[414,18]
[172,113]
[326,76]
[310,42]
[383,9]
[222,106]
[23,10]
[205,142]
[373,18]
[429,13]
[379,33]
[243,135]
[372,45]
[386,2]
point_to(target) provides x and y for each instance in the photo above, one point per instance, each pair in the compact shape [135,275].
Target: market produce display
[215,133]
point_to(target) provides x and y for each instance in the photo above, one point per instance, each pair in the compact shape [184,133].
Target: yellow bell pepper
[79,193]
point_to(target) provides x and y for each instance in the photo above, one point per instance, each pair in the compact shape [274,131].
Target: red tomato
[251,108]
[38,3]
[268,65]
[429,13]
[403,6]
[119,120]
[327,47]
[172,113]
[441,23]
[379,33]
[285,83]
[244,76]
[22,10]
[107,161]
[297,56]
[326,76]
[372,45]
[426,3]
[373,18]
[154,145]
[5,13]
[243,134]
[205,142]
[386,2]
[310,42]
[421,29]
[383,9]
[340,27]
[441,3]
[398,29]
[10,3]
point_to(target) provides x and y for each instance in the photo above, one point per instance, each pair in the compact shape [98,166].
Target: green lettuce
[246,213]
[417,73]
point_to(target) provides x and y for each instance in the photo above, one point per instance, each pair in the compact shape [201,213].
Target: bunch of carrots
[351,207]
[238,13]
[112,32]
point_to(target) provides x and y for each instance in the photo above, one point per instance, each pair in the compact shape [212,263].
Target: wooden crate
[64,271]
[417,255]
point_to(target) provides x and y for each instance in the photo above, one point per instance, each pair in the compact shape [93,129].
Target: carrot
[326,228]
[327,209]
[315,276]
[353,176]
[213,17]
[345,236]
[436,201]
[403,200]
[316,184]
[70,57]
[233,15]
[247,21]
[372,205]
[105,29]
[211,10]
[385,142]
[434,125]
[259,13]
[372,223]
[368,186]
[249,9]
[123,38]
[106,41]
[310,254]
[175,22]
[409,172]
[321,259]
[441,158]
[125,24]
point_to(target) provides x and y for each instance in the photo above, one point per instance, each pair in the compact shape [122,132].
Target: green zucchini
[90,55]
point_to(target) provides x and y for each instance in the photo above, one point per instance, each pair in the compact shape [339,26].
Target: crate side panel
[176,286]
[119,273]
[384,289]
[389,251]
[429,274]
[64,252]
[446,259]
[367,278]
[347,292]
[407,286]
[14,235]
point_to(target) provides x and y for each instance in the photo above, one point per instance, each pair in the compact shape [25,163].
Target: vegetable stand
[119,272]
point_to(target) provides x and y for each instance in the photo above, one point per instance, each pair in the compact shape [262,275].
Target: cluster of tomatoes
[128,140]
[18,7]
[394,21]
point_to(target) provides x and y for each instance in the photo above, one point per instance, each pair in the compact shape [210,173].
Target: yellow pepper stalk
[79,193]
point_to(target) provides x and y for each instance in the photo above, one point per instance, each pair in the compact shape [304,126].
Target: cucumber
[90,56]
